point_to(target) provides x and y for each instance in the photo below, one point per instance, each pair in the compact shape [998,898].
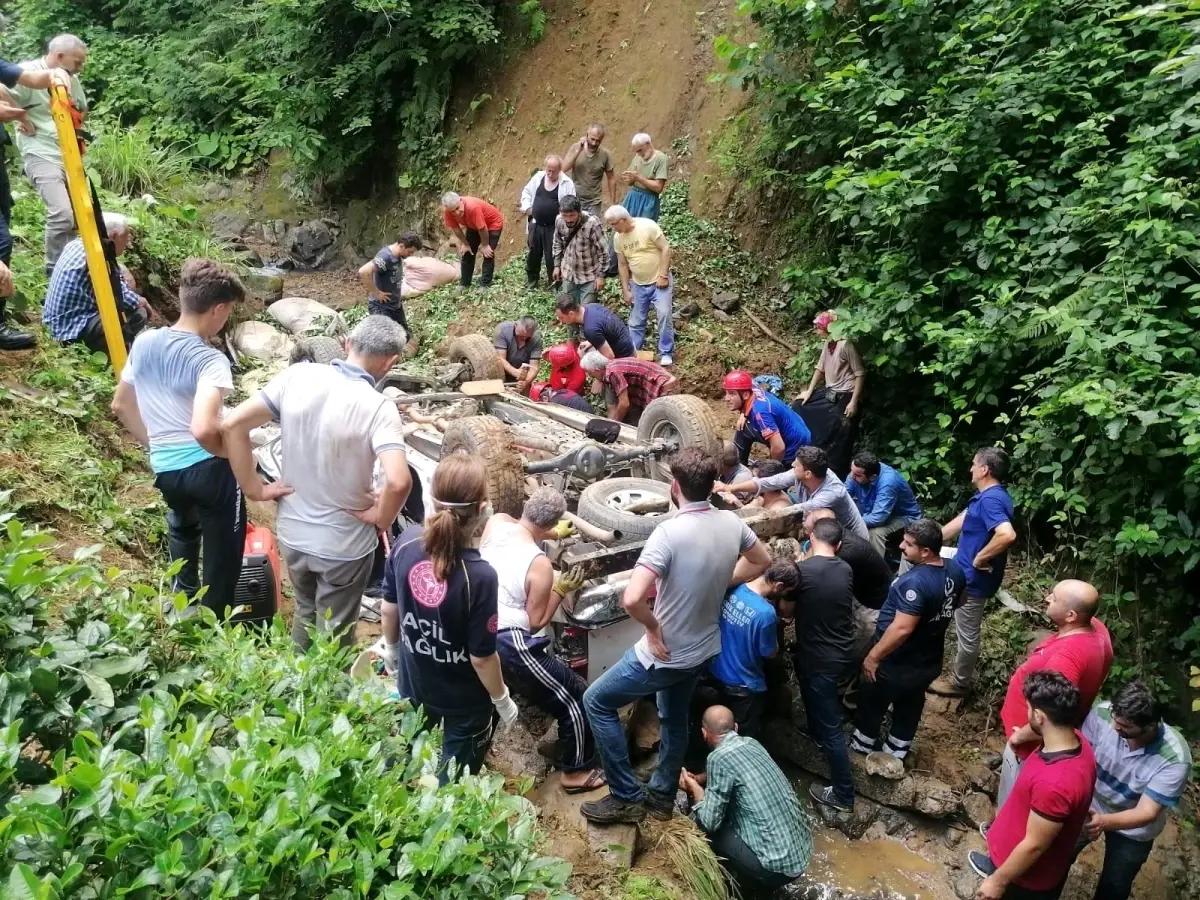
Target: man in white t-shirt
[334,425]
[170,398]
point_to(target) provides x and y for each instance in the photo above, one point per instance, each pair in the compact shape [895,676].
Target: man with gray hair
[335,427]
[645,178]
[70,312]
[529,594]
[476,223]
[38,140]
[630,384]
[519,349]
[539,204]
[644,259]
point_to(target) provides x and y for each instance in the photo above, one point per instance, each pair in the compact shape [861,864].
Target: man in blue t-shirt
[909,640]
[765,419]
[985,531]
[603,329]
[883,496]
[383,277]
[749,627]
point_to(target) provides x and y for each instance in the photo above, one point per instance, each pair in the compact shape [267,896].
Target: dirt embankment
[633,65]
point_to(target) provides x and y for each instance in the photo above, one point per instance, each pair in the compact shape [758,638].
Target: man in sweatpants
[170,398]
[334,426]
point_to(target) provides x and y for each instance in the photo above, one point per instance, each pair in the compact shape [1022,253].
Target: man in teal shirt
[747,808]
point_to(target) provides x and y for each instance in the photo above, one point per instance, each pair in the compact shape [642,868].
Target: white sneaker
[667,361]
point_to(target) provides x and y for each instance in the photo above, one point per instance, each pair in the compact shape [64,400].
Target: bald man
[1080,649]
[539,204]
[732,471]
[747,807]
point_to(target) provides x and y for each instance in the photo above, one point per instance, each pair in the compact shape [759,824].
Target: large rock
[310,243]
[229,225]
[983,779]
[265,284]
[965,882]
[274,231]
[884,765]
[978,808]
[617,845]
[914,791]
[725,301]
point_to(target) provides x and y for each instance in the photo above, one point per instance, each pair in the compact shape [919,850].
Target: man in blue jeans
[692,559]
[824,653]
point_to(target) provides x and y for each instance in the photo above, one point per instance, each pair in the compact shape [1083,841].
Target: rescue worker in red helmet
[565,371]
[765,419]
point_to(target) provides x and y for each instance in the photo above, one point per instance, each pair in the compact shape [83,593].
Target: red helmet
[562,355]
[538,389]
[738,380]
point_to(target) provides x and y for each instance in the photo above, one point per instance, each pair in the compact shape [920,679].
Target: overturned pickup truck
[615,476]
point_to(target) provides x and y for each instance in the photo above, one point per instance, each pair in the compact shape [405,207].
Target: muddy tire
[317,349]
[685,419]
[601,504]
[479,355]
[489,438]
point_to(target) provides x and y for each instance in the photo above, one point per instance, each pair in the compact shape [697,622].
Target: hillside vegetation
[1002,198]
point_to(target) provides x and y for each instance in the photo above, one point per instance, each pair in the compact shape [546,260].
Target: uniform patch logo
[910,596]
[425,587]
[493,624]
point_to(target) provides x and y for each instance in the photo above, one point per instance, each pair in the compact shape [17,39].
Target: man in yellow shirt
[644,258]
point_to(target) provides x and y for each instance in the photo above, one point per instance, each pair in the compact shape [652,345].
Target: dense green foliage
[1002,198]
[347,87]
[147,757]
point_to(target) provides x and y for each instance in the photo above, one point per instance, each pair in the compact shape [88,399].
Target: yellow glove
[565,528]
[566,582]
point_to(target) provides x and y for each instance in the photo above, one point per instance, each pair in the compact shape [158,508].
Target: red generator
[258,588]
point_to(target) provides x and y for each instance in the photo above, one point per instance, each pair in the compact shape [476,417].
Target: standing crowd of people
[469,594]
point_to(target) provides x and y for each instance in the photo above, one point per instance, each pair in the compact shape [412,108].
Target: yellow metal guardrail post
[85,224]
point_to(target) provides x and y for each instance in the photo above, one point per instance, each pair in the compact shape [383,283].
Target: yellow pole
[85,223]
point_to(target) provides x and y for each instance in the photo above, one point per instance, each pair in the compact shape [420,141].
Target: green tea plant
[1002,201]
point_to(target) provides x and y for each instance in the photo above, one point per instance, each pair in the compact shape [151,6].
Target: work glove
[564,529]
[507,708]
[568,581]
[391,658]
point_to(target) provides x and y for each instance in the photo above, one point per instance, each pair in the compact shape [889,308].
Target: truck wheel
[683,419]
[317,349]
[489,438]
[479,355]
[603,504]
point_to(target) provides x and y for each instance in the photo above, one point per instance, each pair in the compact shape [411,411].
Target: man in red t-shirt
[475,223]
[1032,842]
[1080,649]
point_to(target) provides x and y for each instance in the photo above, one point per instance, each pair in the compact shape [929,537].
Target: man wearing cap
[839,366]
[765,419]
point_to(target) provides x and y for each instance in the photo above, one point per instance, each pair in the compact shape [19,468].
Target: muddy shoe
[611,811]
[659,807]
[12,339]
[825,796]
[945,687]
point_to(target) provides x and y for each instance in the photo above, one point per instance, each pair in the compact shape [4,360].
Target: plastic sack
[299,315]
[424,273]
[260,341]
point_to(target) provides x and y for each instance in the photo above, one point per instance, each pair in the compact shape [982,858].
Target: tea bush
[143,754]
[1003,200]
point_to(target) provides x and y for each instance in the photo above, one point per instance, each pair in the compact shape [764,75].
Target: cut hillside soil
[633,65]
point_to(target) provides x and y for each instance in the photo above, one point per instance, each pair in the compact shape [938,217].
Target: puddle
[873,868]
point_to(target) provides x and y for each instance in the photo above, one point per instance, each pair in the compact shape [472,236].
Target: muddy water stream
[857,868]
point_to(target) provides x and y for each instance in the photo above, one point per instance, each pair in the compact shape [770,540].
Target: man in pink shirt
[1080,649]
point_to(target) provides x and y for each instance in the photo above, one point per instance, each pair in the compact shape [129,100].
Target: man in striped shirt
[630,384]
[1142,769]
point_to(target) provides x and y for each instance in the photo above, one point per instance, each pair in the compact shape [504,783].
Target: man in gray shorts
[693,559]
[334,425]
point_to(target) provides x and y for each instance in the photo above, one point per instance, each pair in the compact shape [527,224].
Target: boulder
[264,284]
[274,231]
[726,301]
[915,791]
[688,310]
[260,341]
[965,883]
[228,224]
[300,315]
[884,765]
[248,258]
[617,845]
[978,808]
[983,779]
[952,836]
[310,243]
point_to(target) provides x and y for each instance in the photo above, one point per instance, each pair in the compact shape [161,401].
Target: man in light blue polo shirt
[883,496]
[1142,769]
[170,399]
